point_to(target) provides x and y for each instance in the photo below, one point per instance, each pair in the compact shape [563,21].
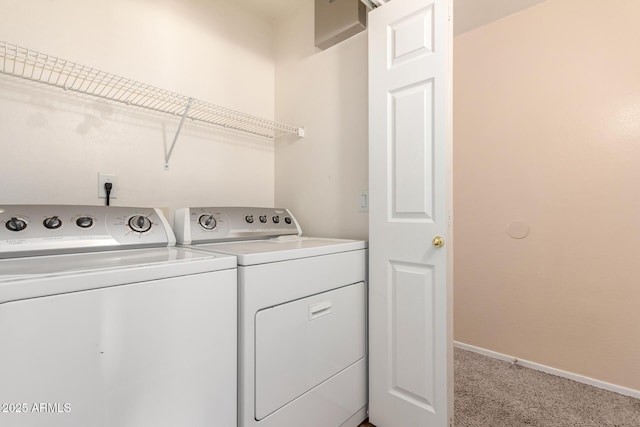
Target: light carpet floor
[493,393]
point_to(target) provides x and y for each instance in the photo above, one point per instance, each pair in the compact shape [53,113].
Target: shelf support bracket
[175,138]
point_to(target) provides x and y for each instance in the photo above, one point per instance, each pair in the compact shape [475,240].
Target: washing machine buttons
[249,219]
[140,223]
[276,219]
[287,220]
[207,221]
[16,224]
[52,223]
[263,219]
[84,222]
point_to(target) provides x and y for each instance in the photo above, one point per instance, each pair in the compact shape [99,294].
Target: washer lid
[37,276]
[283,248]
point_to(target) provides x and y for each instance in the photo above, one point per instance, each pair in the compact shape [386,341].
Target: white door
[411,381]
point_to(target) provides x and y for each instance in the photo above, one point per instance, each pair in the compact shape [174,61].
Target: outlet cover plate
[104,178]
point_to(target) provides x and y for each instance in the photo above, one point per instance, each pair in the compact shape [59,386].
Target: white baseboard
[549,370]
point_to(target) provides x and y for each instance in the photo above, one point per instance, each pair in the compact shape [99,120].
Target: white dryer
[302,316]
[103,322]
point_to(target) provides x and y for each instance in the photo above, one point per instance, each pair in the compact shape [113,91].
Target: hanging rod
[43,68]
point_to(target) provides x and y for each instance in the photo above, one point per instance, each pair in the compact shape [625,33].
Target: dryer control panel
[28,230]
[222,224]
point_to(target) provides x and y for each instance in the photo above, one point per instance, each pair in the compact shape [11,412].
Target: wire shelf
[43,68]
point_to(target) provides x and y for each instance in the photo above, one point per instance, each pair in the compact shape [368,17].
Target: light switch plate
[363,201]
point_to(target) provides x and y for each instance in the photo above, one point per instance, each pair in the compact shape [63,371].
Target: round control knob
[249,219]
[140,223]
[84,222]
[287,220]
[207,221]
[276,219]
[16,224]
[263,218]
[52,223]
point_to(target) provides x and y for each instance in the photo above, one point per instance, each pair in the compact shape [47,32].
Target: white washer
[302,316]
[92,334]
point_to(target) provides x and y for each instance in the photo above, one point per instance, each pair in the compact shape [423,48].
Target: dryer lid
[284,248]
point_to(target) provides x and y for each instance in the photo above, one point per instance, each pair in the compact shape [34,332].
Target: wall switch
[363,200]
[102,179]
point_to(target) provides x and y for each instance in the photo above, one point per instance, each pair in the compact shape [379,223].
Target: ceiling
[471,14]
[468,14]
[271,9]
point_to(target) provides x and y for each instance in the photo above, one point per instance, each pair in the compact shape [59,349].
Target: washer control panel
[27,230]
[220,224]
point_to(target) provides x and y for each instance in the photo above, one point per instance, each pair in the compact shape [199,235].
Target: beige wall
[54,143]
[547,132]
[320,177]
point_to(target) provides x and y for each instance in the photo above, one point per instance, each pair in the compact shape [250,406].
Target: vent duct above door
[337,20]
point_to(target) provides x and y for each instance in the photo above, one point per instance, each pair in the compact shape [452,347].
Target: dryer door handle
[320,309]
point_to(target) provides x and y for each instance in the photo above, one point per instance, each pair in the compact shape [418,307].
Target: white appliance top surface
[30,277]
[92,261]
[252,252]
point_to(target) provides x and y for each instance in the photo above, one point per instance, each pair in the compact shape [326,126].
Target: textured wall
[320,177]
[547,133]
[54,143]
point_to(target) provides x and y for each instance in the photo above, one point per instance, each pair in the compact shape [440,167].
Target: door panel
[300,344]
[411,327]
[412,147]
[412,36]
[410,371]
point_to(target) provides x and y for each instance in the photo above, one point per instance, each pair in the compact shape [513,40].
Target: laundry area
[240,213]
[169,162]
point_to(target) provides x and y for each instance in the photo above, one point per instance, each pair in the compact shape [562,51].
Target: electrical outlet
[104,178]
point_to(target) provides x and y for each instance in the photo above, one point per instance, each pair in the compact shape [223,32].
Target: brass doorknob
[438,241]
